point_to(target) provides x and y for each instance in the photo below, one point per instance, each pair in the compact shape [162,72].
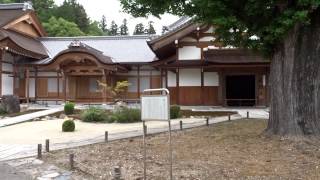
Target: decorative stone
[10,103]
[36,119]
[62,116]
[52,175]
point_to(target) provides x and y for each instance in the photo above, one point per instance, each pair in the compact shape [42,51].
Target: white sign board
[155,108]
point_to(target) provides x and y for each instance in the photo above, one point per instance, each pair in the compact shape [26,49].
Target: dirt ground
[229,150]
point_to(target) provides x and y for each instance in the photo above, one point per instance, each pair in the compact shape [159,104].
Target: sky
[112,10]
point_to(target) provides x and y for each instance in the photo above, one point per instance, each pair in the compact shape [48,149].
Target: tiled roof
[122,49]
[10,12]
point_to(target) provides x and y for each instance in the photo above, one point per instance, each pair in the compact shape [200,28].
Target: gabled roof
[10,12]
[122,49]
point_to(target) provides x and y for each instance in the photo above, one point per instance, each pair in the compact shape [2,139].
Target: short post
[181,125]
[47,145]
[39,151]
[117,173]
[71,161]
[229,117]
[207,121]
[145,128]
[106,134]
[247,114]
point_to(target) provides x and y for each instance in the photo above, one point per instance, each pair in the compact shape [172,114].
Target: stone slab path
[28,117]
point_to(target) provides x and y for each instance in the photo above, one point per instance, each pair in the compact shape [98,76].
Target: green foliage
[175,112]
[139,29]
[94,114]
[256,24]
[124,28]
[62,27]
[113,31]
[118,91]
[3,111]
[103,25]
[69,108]
[150,29]
[126,115]
[94,30]
[68,126]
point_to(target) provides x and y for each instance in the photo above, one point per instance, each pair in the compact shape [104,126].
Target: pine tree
[139,29]
[124,28]
[113,29]
[150,29]
[103,25]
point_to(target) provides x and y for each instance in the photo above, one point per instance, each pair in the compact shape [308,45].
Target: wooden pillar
[161,75]
[202,87]
[58,85]
[178,86]
[36,83]
[64,79]
[166,79]
[27,85]
[104,91]
[138,83]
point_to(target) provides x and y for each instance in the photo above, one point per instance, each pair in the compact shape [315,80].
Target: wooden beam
[104,91]
[1,59]
[36,83]
[58,85]
[178,86]
[202,86]
[64,79]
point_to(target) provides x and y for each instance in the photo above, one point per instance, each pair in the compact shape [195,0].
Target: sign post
[156,108]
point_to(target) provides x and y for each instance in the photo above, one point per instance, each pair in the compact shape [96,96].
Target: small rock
[52,175]
[62,116]
[36,119]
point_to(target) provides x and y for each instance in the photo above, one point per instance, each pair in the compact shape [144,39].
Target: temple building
[186,60]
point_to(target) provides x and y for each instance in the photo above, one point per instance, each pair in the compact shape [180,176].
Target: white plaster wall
[211,79]
[32,92]
[133,84]
[189,53]
[7,84]
[171,79]
[144,83]
[190,77]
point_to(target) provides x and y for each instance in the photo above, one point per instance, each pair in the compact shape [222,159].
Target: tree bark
[295,82]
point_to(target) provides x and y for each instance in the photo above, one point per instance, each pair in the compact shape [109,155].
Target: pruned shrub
[94,114]
[2,111]
[69,108]
[10,104]
[175,112]
[127,115]
[68,126]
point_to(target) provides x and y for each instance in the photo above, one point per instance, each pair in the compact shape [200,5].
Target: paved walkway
[28,117]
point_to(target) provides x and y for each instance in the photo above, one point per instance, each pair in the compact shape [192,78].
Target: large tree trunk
[295,82]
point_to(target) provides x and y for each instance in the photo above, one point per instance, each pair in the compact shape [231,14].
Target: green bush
[69,108]
[127,115]
[94,114]
[175,112]
[3,111]
[68,126]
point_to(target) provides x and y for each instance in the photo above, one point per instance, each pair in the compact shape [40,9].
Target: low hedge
[69,108]
[68,126]
[126,115]
[175,112]
[94,114]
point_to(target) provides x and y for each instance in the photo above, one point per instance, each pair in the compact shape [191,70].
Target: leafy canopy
[257,24]
[61,27]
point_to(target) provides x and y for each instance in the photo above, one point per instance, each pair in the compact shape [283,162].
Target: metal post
[247,114]
[145,128]
[170,150]
[39,151]
[47,145]
[144,152]
[106,136]
[207,121]
[229,118]
[181,125]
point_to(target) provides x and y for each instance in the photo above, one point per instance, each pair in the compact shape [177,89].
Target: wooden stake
[71,161]
[248,115]
[47,145]
[106,134]
[229,118]
[207,121]
[181,125]
[39,151]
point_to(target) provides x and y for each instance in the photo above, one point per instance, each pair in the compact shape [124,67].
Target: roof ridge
[14,6]
[100,37]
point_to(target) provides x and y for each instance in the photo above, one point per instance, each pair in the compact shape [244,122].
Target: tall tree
[113,29]
[44,9]
[72,11]
[94,30]
[62,27]
[124,28]
[150,29]
[139,29]
[287,31]
[103,25]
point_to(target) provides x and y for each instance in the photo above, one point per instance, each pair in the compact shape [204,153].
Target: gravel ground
[229,150]
[9,173]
